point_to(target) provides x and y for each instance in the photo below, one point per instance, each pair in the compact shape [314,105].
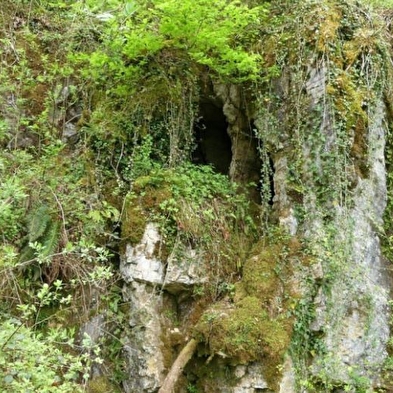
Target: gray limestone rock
[184,271]
[144,359]
[251,379]
[358,310]
[288,381]
[139,263]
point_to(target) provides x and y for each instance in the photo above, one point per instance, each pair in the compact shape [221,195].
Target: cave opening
[252,164]
[213,144]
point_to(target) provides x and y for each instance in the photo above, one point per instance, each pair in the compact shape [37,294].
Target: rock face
[251,379]
[351,301]
[245,164]
[288,381]
[140,263]
[145,363]
[149,283]
[184,271]
[181,272]
[328,186]
[350,296]
[355,318]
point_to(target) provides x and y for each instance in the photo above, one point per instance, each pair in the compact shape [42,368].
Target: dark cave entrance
[213,144]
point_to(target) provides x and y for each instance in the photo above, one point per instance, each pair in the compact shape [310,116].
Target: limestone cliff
[315,137]
[196,196]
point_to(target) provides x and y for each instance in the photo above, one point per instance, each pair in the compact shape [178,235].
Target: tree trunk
[178,366]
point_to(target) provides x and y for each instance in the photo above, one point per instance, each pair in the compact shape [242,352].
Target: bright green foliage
[30,364]
[42,235]
[12,194]
[213,34]
[51,239]
[383,4]
[192,198]
[149,62]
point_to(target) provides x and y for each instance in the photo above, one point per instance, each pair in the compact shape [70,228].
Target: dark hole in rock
[213,144]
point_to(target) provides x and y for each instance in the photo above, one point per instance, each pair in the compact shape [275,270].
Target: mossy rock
[153,197]
[133,223]
[140,207]
[244,332]
[259,277]
[268,271]
[101,384]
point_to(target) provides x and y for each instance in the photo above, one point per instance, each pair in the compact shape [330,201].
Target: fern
[50,239]
[37,222]
[27,254]
[43,230]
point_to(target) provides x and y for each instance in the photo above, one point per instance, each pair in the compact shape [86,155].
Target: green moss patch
[101,385]
[140,207]
[245,332]
[257,325]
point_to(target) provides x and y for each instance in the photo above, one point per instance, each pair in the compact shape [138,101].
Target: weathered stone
[288,381]
[360,298]
[251,379]
[139,263]
[243,378]
[289,222]
[145,362]
[184,271]
[316,84]
[245,164]
[70,133]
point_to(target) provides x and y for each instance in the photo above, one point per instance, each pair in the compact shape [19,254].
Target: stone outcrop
[355,317]
[150,284]
[250,379]
[328,186]
[143,348]
[352,315]
[139,263]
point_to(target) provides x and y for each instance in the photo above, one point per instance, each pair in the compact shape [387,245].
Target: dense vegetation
[98,101]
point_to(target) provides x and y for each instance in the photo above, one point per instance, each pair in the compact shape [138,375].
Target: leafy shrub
[214,34]
[30,363]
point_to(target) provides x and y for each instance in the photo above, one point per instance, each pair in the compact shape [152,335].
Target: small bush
[29,363]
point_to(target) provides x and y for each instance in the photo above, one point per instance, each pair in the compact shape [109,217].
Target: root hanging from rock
[178,366]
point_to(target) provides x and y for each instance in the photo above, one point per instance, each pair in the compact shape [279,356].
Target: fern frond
[27,254]
[37,222]
[50,239]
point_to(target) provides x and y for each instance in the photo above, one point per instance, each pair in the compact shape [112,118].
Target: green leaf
[37,222]
[51,239]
